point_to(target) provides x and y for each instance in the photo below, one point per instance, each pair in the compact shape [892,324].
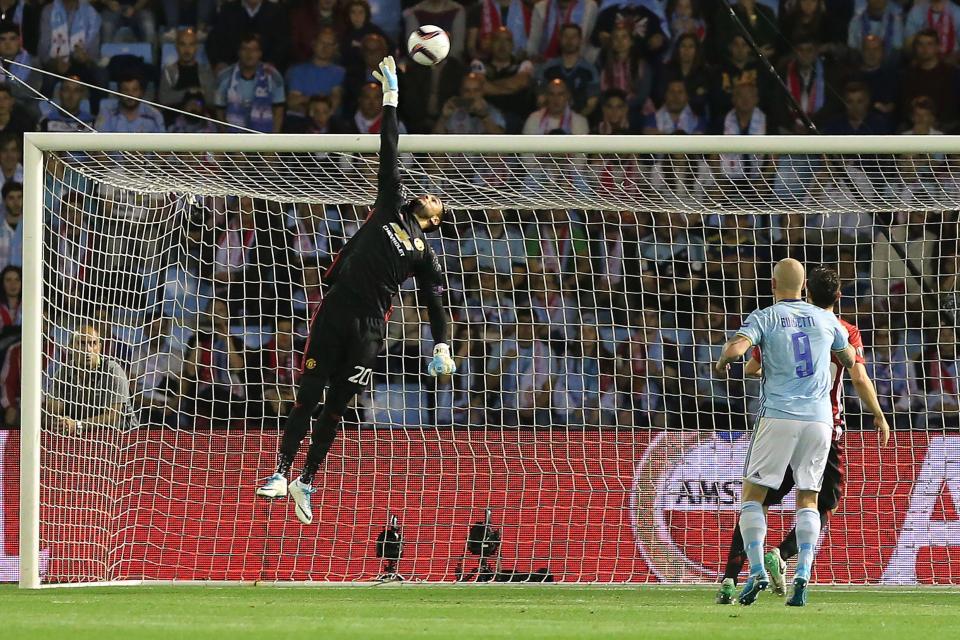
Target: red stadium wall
[592,505]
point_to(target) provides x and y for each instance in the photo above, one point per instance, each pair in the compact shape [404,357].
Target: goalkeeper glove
[387,76]
[442,364]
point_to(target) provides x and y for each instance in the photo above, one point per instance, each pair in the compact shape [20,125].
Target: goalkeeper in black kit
[348,329]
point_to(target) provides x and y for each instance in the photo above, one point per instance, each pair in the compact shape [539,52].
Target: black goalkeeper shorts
[343,347]
[830,492]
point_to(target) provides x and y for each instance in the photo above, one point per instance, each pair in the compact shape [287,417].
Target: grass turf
[466,612]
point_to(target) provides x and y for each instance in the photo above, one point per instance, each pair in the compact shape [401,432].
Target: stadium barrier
[592,505]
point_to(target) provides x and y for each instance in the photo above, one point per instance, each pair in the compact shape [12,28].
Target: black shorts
[830,492]
[343,347]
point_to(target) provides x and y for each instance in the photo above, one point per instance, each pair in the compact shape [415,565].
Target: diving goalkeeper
[347,331]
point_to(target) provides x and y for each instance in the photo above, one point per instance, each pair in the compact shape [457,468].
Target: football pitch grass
[467,612]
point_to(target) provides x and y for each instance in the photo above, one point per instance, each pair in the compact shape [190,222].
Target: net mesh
[589,297]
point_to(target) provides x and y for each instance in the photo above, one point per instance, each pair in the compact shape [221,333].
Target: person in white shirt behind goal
[795,421]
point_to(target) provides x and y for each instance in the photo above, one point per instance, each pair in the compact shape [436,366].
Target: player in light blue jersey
[796,418]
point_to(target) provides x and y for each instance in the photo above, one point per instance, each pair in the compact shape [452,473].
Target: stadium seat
[143,50]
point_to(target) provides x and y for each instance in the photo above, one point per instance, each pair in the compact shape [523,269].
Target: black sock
[736,556]
[295,428]
[324,433]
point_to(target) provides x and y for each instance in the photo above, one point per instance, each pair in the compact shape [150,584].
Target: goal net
[591,284]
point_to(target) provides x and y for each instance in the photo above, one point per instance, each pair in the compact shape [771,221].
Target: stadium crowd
[561,317]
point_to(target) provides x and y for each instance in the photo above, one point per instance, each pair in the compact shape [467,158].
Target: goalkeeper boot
[274,487]
[301,492]
[727,592]
[752,588]
[799,596]
[776,567]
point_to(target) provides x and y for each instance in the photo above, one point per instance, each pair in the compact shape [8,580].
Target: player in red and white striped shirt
[832,489]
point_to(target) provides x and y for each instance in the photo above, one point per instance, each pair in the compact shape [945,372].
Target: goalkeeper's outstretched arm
[388,174]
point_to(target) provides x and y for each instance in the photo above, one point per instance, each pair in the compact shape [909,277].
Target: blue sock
[753,528]
[808,531]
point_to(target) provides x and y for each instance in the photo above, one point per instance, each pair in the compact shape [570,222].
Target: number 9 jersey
[797,339]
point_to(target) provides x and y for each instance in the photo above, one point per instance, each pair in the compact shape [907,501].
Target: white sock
[753,528]
[808,531]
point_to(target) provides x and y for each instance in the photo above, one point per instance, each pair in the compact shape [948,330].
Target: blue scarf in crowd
[258,115]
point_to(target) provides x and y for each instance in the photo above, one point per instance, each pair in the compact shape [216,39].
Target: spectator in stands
[675,115]
[687,64]
[547,19]
[11,159]
[11,51]
[923,117]
[250,93]
[556,114]
[521,373]
[570,66]
[369,112]
[739,67]
[10,387]
[892,373]
[758,19]
[14,117]
[128,21]
[214,370]
[356,25]
[130,115]
[810,17]
[373,49]
[280,364]
[446,14]
[613,114]
[238,20]
[196,14]
[186,73]
[26,15]
[11,229]
[70,38]
[193,103]
[745,119]
[893,285]
[644,20]
[940,16]
[621,68]
[433,86]
[882,19]
[583,381]
[88,390]
[686,18]
[319,117]
[807,79]
[879,74]
[553,306]
[307,19]
[719,400]
[72,108]
[941,377]
[930,76]
[509,80]
[493,246]
[156,369]
[470,113]
[11,301]
[859,119]
[319,76]
[557,242]
[485,17]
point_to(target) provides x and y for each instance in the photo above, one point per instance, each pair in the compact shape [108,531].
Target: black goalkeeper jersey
[387,249]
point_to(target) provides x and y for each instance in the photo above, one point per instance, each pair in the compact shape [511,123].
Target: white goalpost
[590,280]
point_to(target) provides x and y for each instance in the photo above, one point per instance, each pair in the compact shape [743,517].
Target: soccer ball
[428,45]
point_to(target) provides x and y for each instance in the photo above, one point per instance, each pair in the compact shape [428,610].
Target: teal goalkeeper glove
[387,76]
[442,364]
